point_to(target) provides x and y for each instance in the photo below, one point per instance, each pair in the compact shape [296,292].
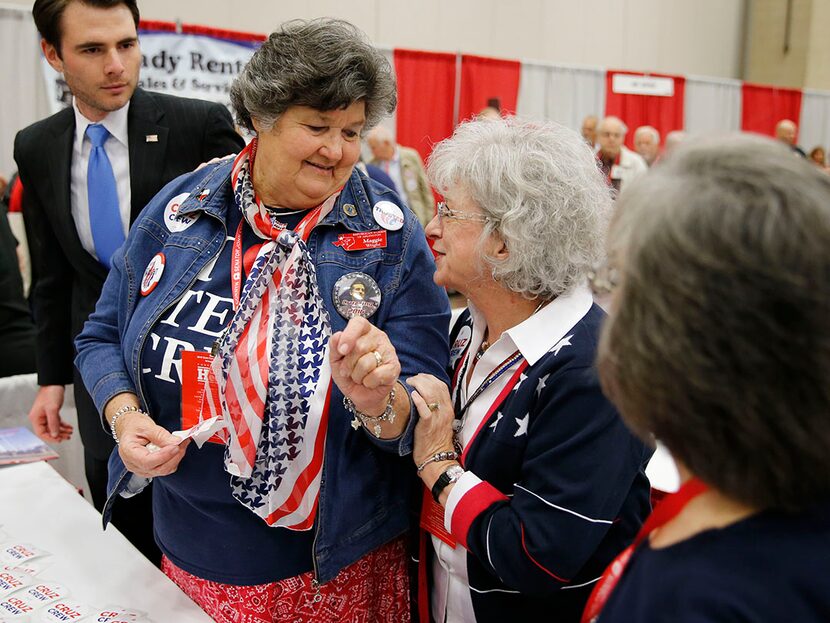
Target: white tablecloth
[39,508]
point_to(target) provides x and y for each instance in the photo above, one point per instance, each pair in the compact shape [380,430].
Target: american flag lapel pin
[152,138]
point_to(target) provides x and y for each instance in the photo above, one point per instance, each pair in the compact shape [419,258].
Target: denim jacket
[413,312]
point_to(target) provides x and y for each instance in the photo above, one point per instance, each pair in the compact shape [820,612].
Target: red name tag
[195,367]
[362,240]
[432,520]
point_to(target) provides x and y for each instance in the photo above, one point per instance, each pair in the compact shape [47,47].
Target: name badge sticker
[63,611]
[152,274]
[43,593]
[15,608]
[388,215]
[15,553]
[173,220]
[362,240]
[11,581]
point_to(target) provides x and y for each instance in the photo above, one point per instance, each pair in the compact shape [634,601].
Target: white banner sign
[642,85]
[188,65]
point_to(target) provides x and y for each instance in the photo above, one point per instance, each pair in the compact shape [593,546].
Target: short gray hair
[623,127]
[325,64]
[648,129]
[541,188]
[719,338]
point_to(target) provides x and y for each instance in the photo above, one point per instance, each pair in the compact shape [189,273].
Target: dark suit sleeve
[52,293]
[220,138]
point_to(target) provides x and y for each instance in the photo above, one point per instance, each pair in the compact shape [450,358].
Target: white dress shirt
[533,338]
[393,169]
[117,149]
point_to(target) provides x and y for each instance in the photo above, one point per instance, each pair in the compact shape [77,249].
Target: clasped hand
[364,365]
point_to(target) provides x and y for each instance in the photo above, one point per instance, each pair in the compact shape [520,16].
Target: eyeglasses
[603,278]
[445,212]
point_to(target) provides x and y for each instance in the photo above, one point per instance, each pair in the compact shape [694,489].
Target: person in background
[17,331]
[786,131]
[647,143]
[405,167]
[819,158]
[717,346]
[489,112]
[589,130]
[88,171]
[618,163]
[298,508]
[532,481]
[673,140]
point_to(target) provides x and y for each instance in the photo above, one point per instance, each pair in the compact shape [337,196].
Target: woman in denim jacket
[222,310]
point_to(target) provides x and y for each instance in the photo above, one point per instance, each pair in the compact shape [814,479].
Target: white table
[38,507]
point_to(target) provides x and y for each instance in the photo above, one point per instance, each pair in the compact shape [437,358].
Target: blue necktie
[104,211]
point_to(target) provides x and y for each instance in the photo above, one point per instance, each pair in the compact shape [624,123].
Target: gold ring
[433,406]
[378,358]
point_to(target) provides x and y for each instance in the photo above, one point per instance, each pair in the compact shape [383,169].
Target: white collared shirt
[533,338]
[117,148]
[393,169]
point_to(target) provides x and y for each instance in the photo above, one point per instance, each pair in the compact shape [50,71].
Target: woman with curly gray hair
[718,345]
[224,318]
[535,482]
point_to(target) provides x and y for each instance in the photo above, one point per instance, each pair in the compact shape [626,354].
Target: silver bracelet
[449,455]
[122,411]
[388,414]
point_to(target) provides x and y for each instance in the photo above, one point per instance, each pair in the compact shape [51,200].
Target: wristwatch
[450,475]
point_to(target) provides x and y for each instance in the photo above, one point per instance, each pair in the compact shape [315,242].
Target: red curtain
[484,79]
[426,89]
[664,113]
[763,106]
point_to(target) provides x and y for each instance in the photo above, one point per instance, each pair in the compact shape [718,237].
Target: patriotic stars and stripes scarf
[271,378]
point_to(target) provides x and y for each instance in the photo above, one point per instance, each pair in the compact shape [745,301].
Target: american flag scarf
[271,375]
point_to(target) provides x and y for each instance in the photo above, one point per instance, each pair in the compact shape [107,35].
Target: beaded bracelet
[388,414]
[449,455]
[122,411]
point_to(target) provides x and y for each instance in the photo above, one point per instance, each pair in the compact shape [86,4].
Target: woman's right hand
[136,432]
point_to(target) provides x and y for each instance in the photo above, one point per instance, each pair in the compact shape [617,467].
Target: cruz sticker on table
[178,222]
[152,274]
[63,611]
[388,215]
[461,341]
[356,294]
[11,581]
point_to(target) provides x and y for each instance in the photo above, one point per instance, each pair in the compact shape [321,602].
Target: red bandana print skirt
[373,589]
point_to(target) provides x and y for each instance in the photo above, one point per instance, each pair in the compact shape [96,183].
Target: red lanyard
[303,228]
[613,164]
[665,511]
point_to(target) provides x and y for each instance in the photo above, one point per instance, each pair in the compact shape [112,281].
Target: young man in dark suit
[87,172]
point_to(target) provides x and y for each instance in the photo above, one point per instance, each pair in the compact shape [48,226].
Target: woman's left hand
[363,376]
[433,432]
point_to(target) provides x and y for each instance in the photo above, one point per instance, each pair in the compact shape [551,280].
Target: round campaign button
[460,344]
[175,221]
[356,294]
[388,215]
[152,274]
